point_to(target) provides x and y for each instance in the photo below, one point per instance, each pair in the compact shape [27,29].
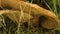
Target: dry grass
[26,18]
